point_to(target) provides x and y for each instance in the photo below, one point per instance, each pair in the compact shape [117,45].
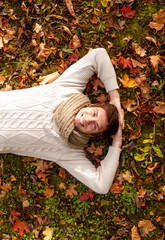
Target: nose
[90,119]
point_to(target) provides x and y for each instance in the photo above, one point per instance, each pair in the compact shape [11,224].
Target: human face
[91,120]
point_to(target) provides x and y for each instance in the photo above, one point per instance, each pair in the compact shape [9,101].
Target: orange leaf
[126,62]
[127,82]
[140,51]
[102,98]
[14,214]
[158,20]
[135,234]
[156,61]
[94,20]
[142,193]
[97,83]
[62,173]
[49,192]
[147,226]
[71,191]
[116,187]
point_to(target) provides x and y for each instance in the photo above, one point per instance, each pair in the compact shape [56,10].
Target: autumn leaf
[150,169]
[2,79]
[146,225]
[102,98]
[135,134]
[48,233]
[135,234]
[14,214]
[49,192]
[127,82]
[130,105]
[142,83]
[70,7]
[76,42]
[127,176]
[127,12]
[97,83]
[71,191]
[49,78]
[142,193]
[116,187]
[21,226]
[74,57]
[44,52]
[86,195]
[62,173]
[6,187]
[156,61]
[157,151]
[126,62]
[62,186]
[138,50]
[158,20]
[104,3]
[94,20]
[136,63]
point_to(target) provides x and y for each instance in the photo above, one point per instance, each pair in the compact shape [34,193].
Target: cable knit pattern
[26,126]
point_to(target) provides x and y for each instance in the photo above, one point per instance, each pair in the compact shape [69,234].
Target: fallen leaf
[138,50]
[127,82]
[130,105]
[62,186]
[160,108]
[104,3]
[1,43]
[70,7]
[2,79]
[150,169]
[156,61]
[23,7]
[152,40]
[102,98]
[127,12]
[21,226]
[157,151]
[49,192]
[44,52]
[62,173]
[116,187]
[6,187]
[97,83]
[158,20]
[146,225]
[48,233]
[74,57]
[71,191]
[86,195]
[136,63]
[126,62]
[127,176]
[142,193]
[135,134]
[76,42]
[142,83]
[135,234]
[66,29]
[14,214]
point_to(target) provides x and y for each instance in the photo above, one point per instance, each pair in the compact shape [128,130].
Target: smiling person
[54,121]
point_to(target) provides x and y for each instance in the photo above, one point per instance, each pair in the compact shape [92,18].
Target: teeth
[81,121]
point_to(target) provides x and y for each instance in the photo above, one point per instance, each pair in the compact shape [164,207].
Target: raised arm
[98,179]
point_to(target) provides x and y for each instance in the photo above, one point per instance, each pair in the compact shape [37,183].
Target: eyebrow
[98,127]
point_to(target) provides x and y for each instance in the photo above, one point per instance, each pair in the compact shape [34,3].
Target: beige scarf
[64,118]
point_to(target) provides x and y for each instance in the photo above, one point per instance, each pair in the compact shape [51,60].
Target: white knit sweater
[26,126]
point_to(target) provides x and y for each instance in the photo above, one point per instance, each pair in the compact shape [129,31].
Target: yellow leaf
[48,233]
[135,234]
[104,3]
[127,176]
[147,141]
[140,157]
[158,151]
[127,82]
[145,149]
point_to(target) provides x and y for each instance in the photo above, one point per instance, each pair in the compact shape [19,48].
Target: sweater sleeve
[77,75]
[98,179]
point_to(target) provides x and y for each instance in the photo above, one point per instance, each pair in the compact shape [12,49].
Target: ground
[39,200]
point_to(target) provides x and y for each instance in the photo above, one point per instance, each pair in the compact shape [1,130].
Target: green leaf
[140,157]
[158,151]
[147,141]
[104,202]
[145,149]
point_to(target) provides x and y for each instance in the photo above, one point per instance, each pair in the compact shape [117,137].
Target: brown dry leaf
[69,5]
[152,40]
[99,150]
[102,98]
[44,52]
[156,61]
[158,20]
[150,170]
[160,108]
[1,43]
[130,105]
[66,29]
[39,164]
[2,79]
[48,233]
[76,42]
[71,191]
[127,176]
[135,234]
[127,82]
[146,225]
[62,186]
[6,187]
[23,7]
[116,187]
[134,133]
[49,192]
[142,83]
[62,173]
[49,78]
[138,50]
[142,193]
[136,63]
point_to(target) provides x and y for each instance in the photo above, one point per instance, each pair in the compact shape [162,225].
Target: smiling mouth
[82,121]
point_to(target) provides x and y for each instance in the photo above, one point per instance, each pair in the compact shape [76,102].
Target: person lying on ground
[54,121]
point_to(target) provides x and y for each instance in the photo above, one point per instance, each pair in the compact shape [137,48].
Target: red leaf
[127,12]
[126,62]
[86,195]
[15,214]
[94,20]
[97,83]
[21,226]
[74,57]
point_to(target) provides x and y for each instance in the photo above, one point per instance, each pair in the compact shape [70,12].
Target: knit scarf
[64,118]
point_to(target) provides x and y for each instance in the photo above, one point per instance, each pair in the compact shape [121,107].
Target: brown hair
[112,117]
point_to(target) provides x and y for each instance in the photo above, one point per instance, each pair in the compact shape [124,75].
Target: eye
[94,114]
[94,126]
